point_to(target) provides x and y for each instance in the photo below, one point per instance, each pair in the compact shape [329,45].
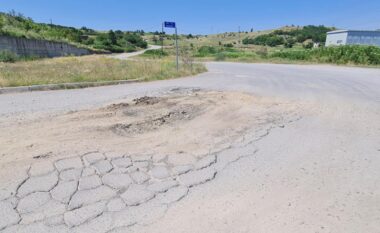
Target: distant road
[125,56]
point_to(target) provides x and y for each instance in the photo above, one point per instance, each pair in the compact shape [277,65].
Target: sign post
[173,25]
[162,39]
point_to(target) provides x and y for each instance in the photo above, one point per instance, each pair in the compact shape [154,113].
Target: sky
[200,16]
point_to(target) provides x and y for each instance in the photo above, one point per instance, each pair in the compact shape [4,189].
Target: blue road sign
[169,24]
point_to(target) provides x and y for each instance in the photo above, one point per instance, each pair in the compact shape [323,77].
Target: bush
[301,55]
[130,48]
[289,43]
[288,38]
[308,45]
[262,52]
[268,40]
[350,54]
[8,56]
[155,53]
[315,33]
[220,57]
[205,51]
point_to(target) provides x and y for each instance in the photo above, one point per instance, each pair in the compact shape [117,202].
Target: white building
[353,37]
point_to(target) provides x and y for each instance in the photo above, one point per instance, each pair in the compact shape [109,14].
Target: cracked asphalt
[316,170]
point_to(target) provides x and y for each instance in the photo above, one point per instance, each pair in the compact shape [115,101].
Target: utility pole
[176,45]
[239,42]
[162,39]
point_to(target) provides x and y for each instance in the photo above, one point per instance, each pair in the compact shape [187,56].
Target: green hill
[289,36]
[13,24]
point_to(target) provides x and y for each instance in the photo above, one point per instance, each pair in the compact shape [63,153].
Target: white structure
[352,37]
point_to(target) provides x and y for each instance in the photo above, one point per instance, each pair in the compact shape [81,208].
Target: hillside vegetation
[285,45]
[305,35]
[13,24]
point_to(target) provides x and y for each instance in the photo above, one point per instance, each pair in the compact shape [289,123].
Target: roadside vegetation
[290,44]
[89,69]
[350,55]
[17,25]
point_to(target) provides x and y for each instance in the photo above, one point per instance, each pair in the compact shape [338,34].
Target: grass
[89,69]
[361,56]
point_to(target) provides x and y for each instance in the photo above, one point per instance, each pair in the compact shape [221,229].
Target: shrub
[314,33]
[308,45]
[262,52]
[8,56]
[205,51]
[350,54]
[220,57]
[268,40]
[155,53]
[130,48]
[292,55]
[289,43]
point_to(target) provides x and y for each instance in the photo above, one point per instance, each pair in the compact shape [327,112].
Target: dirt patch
[152,124]
[142,117]
[181,123]
[146,100]
[114,107]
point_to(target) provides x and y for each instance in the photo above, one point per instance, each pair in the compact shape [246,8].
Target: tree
[1,22]
[289,43]
[119,34]
[112,37]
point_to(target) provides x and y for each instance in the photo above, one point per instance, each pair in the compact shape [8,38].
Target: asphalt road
[320,173]
[302,82]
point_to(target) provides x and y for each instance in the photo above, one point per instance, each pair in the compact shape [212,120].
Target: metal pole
[162,40]
[176,44]
[239,43]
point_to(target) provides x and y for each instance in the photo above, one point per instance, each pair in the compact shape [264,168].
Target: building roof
[343,31]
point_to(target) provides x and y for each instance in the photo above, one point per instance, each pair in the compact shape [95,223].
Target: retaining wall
[40,48]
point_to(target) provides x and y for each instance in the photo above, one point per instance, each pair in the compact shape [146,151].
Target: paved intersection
[318,173]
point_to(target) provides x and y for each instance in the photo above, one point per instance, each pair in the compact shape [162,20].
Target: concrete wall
[336,38]
[39,48]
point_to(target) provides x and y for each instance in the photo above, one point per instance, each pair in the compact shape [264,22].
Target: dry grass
[88,69]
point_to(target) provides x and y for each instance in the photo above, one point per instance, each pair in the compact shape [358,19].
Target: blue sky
[200,16]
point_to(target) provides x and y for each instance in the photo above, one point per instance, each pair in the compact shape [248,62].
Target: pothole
[154,122]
